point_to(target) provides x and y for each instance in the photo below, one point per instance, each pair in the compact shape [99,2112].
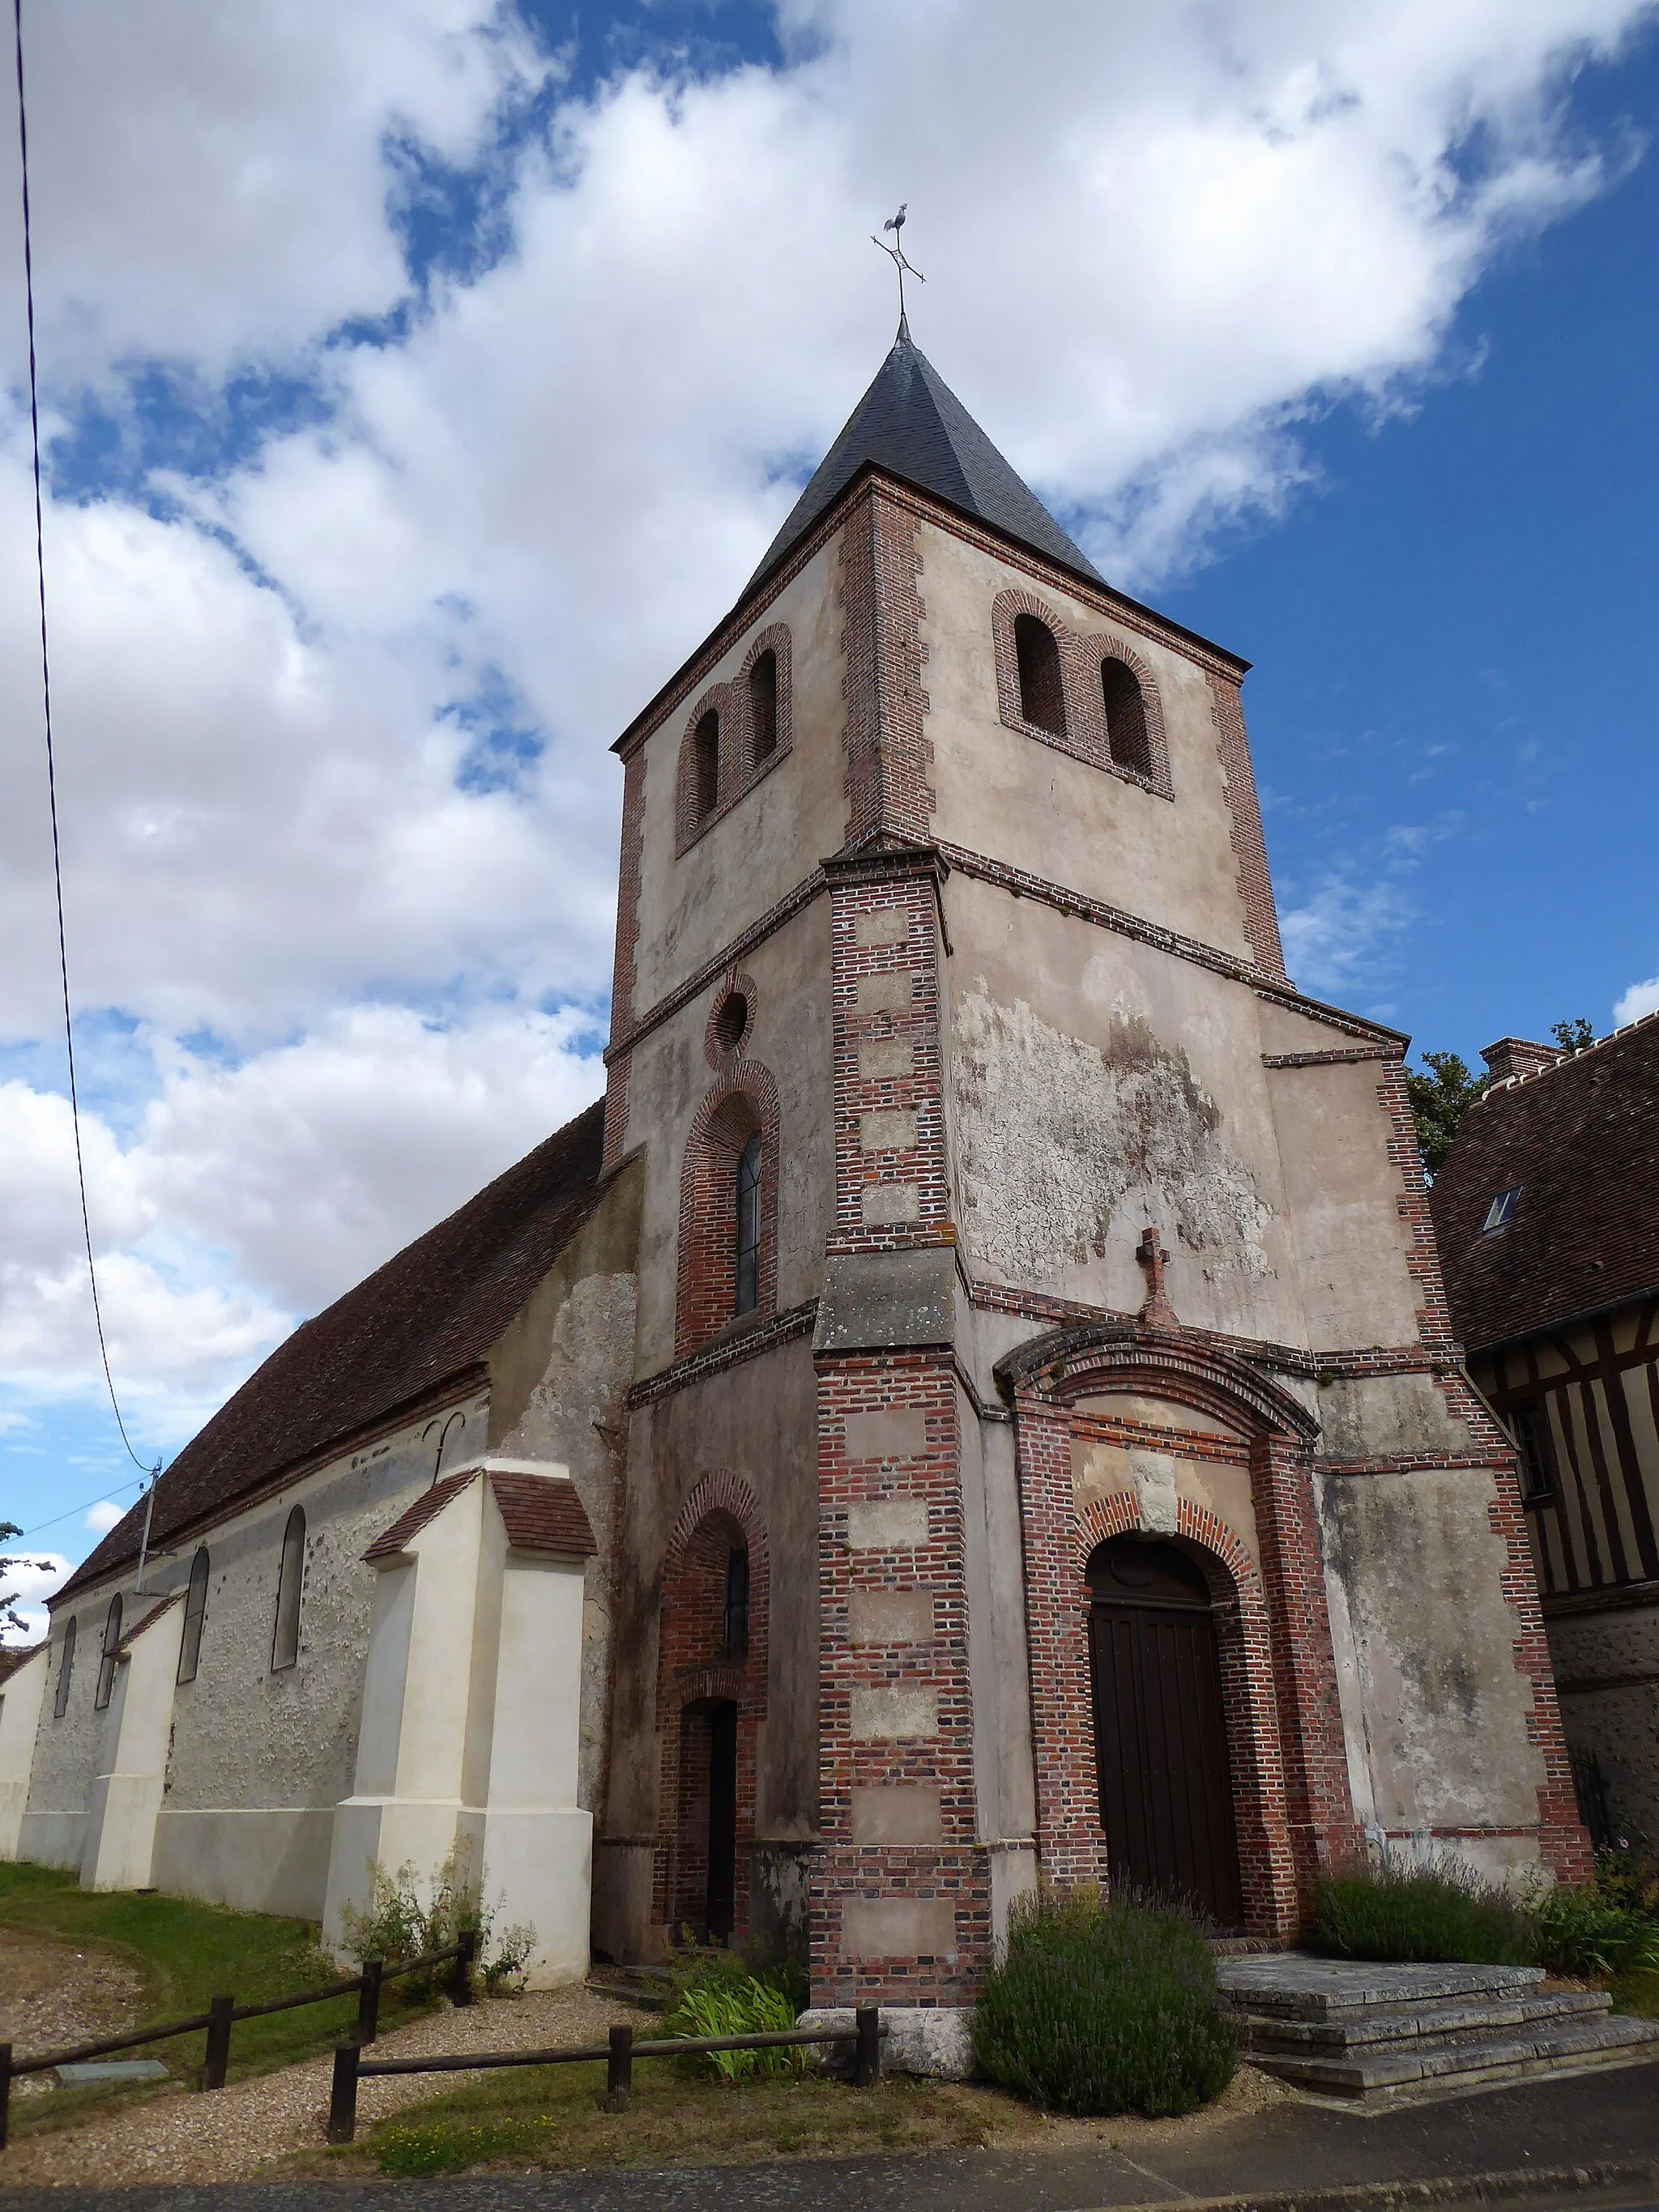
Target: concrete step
[1291,1986]
[1466,2062]
[1437,2021]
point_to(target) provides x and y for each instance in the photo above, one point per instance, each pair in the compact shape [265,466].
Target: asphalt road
[1584,2120]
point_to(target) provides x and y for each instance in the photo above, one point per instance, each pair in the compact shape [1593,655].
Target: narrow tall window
[190,1649]
[1536,1482]
[285,1644]
[1041,696]
[748,1226]
[1126,717]
[763,704]
[734,1613]
[106,1689]
[708,743]
[65,1670]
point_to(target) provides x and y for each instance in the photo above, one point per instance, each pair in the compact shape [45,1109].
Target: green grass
[1637,1993]
[187,1952]
[552,2118]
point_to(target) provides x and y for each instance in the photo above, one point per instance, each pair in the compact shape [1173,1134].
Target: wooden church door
[1166,1798]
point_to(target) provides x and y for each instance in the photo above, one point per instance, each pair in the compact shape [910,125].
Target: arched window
[1126,717]
[748,1226]
[65,1670]
[735,1611]
[190,1650]
[106,1689]
[1041,696]
[285,1644]
[763,704]
[706,743]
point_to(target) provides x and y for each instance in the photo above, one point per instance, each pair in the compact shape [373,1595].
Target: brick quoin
[955,1869]
[1244,814]
[887,757]
[624,972]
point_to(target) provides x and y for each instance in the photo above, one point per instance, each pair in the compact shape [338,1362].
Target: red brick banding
[887,757]
[1255,887]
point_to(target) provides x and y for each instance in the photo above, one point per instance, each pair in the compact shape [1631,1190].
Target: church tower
[1046,1446]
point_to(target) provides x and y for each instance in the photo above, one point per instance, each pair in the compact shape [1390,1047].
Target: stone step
[1469,2061]
[1433,2021]
[1291,1986]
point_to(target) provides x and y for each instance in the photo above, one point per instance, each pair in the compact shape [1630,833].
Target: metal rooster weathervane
[895,253]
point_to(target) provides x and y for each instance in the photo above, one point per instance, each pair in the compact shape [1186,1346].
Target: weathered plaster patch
[1093,1128]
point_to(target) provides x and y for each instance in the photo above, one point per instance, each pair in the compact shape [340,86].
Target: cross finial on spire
[1157,1312]
[894,252]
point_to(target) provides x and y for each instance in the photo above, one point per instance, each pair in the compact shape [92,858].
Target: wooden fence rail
[350,2066]
[223,2012]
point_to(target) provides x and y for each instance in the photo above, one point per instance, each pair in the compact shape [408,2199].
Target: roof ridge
[1564,1058]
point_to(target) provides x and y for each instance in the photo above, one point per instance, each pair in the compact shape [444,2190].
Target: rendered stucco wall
[21,1697]
[1435,1712]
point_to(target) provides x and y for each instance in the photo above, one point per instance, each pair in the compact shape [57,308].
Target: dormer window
[1501,1212]
[1041,696]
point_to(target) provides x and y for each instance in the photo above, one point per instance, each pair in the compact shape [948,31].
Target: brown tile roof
[427,1507]
[422,1321]
[12,1657]
[543,1513]
[1579,1140]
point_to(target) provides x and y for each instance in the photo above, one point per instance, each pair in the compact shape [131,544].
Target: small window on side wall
[1537,1482]
[190,1649]
[1126,717]
[1041,694]
[735,1611]
[285,1644]
[763,704]
[749,1227]
[106,1689]
[65,1672]
[706,743]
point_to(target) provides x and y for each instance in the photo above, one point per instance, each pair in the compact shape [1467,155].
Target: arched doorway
[1166,1795]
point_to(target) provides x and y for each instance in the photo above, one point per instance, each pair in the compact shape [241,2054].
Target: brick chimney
[1517,1056]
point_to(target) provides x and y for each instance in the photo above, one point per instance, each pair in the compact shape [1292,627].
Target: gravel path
[53,1997]
[184,2136]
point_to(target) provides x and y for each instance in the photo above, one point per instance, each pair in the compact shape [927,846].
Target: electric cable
[51,771]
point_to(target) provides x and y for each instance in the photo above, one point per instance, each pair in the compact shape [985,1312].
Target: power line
[86,1506]
[51,774]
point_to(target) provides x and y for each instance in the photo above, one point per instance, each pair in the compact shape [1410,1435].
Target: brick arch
[1081,658]
[693,1672]
[1291,1781]
[740,769]
[737,982]
[746,1100]
[1249,1708]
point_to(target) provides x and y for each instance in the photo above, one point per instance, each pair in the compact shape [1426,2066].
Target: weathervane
[894,252]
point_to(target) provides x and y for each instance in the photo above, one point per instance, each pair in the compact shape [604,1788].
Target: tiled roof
[1578,1139]
[543,1513]
[12,1657]
[422,1321]
[911,424]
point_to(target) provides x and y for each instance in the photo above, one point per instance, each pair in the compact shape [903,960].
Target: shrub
[738,2004]
[399,1926]
[1103,2006]
[1396,1909]
[1609,1926]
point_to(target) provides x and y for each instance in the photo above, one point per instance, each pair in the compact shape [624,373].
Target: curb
[1636,2176]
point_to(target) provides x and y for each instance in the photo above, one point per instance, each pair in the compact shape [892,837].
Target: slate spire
[911,424]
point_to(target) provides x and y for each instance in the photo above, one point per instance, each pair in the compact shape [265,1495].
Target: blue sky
[421,384]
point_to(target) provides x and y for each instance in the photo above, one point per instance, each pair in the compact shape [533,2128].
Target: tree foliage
[11,1621]
[1440,1098]
[1573,1035]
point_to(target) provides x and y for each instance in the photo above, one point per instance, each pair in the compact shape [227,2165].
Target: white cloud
[1640,998]
[1155,239]
[104,1516]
